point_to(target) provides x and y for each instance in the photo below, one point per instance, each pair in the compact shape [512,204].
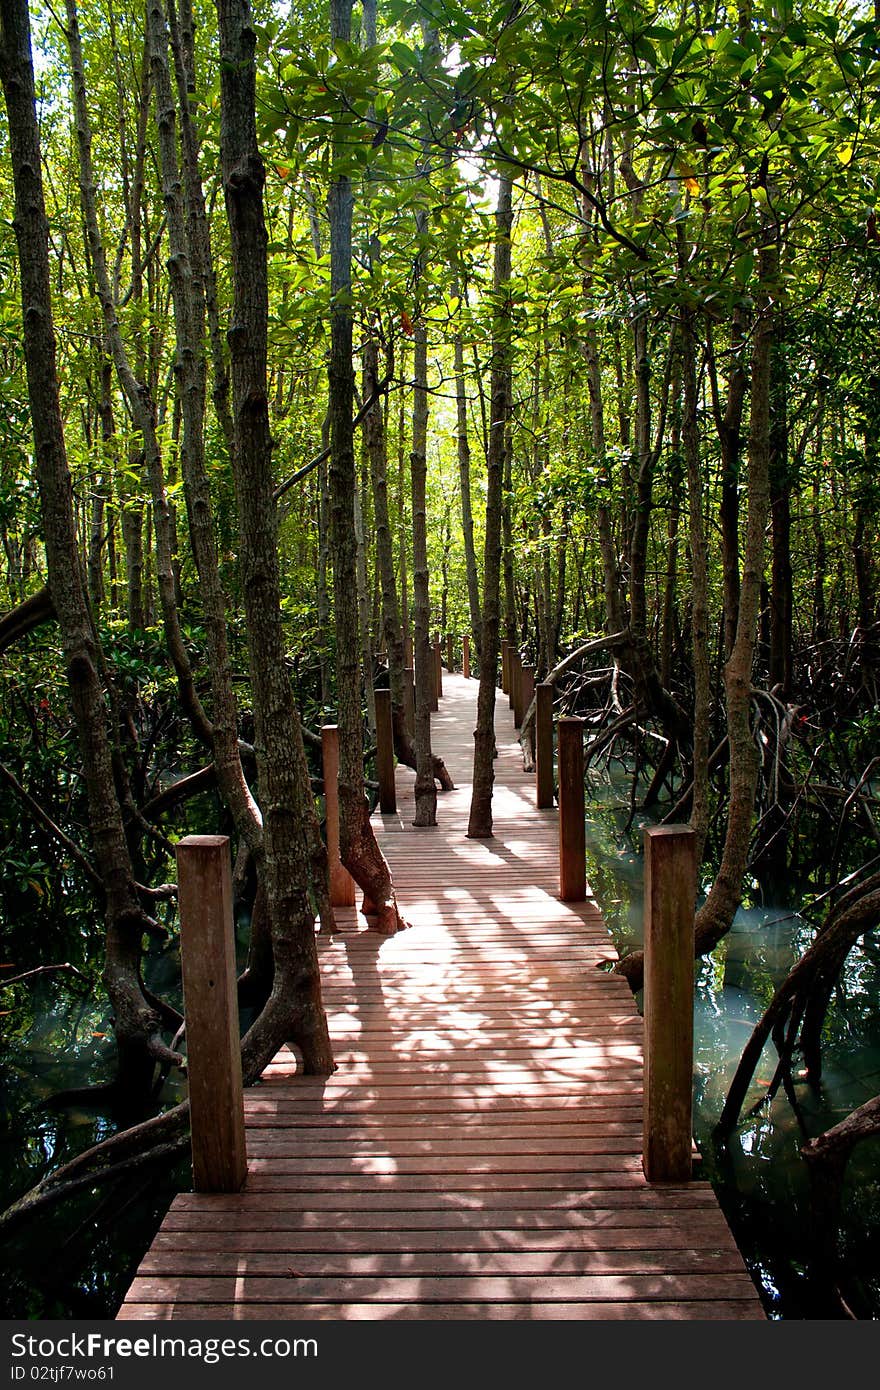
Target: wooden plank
[523,1263]
[511,1195]
[371,1231]
[455,1312]
[396,1239]
[244,1288]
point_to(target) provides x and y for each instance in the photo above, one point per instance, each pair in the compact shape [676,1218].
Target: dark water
[759,1174]
[73,1260]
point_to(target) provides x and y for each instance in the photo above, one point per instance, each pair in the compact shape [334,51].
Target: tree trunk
[137,393]
[464,475]
[184,220]
[699,585]
[425,790]
[480,820]
[358,846]
[781,596]
[729,426]
[294,1011]
[137,1022]
[716,914]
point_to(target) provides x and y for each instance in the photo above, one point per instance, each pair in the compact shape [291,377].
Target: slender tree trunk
[614,614]
[137,393]
[729,425]
[425,790]
[392,628]
[137,1023]
[464,475]
[189,276]
[511,626]
[294,1011]
[715,916]
[358,846]
[363,602]
[699,585]
[781,594]
[392,631]
[182,34]
[480,820]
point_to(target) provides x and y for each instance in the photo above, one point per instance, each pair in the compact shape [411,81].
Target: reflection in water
[73,1260]
[760,1177]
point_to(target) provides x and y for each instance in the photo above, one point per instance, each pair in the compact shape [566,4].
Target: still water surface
[759,1175]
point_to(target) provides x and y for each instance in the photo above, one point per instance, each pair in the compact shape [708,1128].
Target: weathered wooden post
[466,656]
[341,881]
[438,666]
[544,746]
[505,666]
[512,663]
[572,829]
[670,894]
[385,753]
[517,682]
[409,699]
[526,696]
[450,652]
[207,954]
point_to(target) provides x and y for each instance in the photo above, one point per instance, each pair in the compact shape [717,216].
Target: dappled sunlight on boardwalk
[477,1154]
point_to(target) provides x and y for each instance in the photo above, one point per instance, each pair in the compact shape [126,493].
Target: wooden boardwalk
[477,1155]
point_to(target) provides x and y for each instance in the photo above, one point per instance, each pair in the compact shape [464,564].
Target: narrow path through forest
[477,1153]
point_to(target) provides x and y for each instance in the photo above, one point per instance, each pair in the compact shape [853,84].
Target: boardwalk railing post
[526,696]
[207,953]
[513,665]
[450,652]
[518,710]
[505,666]
[670,893]
[438,666]
[385,753]
[544,746]
[466,656]
[341,881]
[572,829]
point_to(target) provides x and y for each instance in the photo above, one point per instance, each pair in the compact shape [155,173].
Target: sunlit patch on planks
[477,1154]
